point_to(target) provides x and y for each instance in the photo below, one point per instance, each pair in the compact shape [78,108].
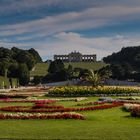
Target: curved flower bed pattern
[92,103]
[46,101]
[41,108]
[43,116]
[53,109]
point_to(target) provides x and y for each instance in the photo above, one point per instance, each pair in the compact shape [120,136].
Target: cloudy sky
[62,26]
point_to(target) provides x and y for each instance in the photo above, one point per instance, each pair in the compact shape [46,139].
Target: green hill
[40,69]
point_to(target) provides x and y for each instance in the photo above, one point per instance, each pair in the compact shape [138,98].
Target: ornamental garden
[71,112]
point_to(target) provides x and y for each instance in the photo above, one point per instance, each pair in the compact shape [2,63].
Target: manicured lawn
[107,124]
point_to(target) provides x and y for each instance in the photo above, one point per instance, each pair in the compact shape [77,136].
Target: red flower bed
[29,108]
[58,109]
[43,116]
[37,106]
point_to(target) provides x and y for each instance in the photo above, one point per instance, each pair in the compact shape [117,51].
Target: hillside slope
[40,69]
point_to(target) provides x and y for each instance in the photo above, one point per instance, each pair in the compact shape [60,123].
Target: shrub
[129,106]
[135,111]
[92,91]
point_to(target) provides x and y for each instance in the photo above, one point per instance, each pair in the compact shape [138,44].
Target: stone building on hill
[76,57]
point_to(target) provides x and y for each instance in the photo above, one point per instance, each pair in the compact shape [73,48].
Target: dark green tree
[56,66]
[37,80]
[70,72]
[105,72]
[35,54]
[4,65]
[57,72]
[23,74]
[25,57]
[13,70]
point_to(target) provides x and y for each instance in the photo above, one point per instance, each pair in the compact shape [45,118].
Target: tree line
[16,63]
[125,64]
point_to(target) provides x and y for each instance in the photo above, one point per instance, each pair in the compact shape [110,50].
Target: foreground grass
[110,124]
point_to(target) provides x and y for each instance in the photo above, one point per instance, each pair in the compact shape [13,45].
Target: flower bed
[52,110]
[92,91]
[91,103]
[129,98]
[37,106]
[42,116]
[130,106]
[29,108]
[40,107]
[71,99]
[46,101]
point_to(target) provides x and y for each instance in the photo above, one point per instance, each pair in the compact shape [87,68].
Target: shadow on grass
[131,117]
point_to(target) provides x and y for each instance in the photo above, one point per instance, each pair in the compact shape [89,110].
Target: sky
[61,26]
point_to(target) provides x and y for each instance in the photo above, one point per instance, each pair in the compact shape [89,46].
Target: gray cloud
[11,6]
[89,18]
[92,14]
[102,46]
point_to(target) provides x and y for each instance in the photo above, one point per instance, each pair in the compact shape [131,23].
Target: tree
[37,80]
[117,72]
[13,70]
[83,73]
[69,72]
[105,72]
[129,55]
[11,63]
[57,72]
[23,74]
[92,77]
[25,57]
[56,66]
[4,68]
[35,54]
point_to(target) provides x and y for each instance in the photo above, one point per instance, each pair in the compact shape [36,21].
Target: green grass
[41,68]
[87,65]
[110,124]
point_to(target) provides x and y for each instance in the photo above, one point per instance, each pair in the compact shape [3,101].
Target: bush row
[92,91]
